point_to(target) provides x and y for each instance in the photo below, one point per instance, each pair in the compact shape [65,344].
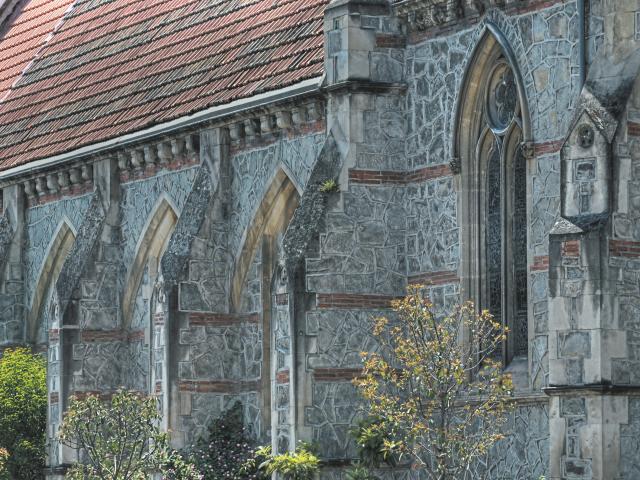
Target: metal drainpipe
[582,42]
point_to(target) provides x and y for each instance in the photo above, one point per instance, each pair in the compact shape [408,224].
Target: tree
[23,412]
[436,391]
[118,440]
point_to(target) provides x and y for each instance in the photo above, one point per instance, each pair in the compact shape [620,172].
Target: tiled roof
[25,35]
[117,66]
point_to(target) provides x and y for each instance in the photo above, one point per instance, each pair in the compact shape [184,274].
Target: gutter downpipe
[582,59]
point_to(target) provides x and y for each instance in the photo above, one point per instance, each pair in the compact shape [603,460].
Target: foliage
[299,465]
[371,438]
[329,186]
[228,451]
[23,412]
[176,467]
[4,458]
[360,472]
[436,389]
[120,439]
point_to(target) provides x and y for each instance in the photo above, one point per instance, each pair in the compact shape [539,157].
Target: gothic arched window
[491,121]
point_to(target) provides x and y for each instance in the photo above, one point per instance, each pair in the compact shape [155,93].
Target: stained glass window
[505,208]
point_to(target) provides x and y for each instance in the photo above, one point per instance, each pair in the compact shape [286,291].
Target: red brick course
[222,319]
[390,177]
[434,278]
[547,147]
[633,129]
[571,248]
[282,377]
[353,300]
[98,336]
[624,248]
[219,386]
[336,374]
[540,263]
[390,41]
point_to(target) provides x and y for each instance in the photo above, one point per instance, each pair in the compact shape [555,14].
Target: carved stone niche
[586,170]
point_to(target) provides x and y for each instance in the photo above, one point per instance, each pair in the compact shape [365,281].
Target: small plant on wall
[436,392]
[329,186]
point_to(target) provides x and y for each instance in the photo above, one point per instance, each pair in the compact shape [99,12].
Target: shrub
[176,467]
[119,439]
[299,465]
[23,413]
[228,450]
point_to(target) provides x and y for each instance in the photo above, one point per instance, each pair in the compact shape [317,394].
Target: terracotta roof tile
[27,31]
[116,66]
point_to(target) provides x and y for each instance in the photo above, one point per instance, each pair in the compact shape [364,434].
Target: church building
[164,226]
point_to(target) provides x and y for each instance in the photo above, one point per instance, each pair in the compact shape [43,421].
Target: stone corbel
[527,149]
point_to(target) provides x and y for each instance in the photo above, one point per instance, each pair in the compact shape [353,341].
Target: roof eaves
[300,89]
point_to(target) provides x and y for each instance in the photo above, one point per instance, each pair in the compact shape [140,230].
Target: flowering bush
[177,467]
[228,451]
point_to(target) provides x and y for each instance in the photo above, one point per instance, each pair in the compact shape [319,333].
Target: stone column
[12,311]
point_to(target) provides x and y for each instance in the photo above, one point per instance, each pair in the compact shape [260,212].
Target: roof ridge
[75,78]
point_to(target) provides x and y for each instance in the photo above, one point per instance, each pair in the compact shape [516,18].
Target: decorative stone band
[434,278]
[336,374]
[431,18]
[222,319]
[259,140]
[624,248]
[219,386]
[144,161]
[99,336]
[391,177]
[592,388]
[353,300]
[540,263]
[633,129]
[70,182]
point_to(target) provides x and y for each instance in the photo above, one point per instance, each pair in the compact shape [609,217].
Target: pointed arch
[57,253]
[152,243]
[272,216]
[492,123]
[492,45]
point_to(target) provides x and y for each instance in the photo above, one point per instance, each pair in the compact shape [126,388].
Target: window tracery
[491,147]
[505,211]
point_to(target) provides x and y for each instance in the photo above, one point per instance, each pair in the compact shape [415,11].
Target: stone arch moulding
[479,60]
[57,252]
[491,140]
[152,243]
[273,215]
